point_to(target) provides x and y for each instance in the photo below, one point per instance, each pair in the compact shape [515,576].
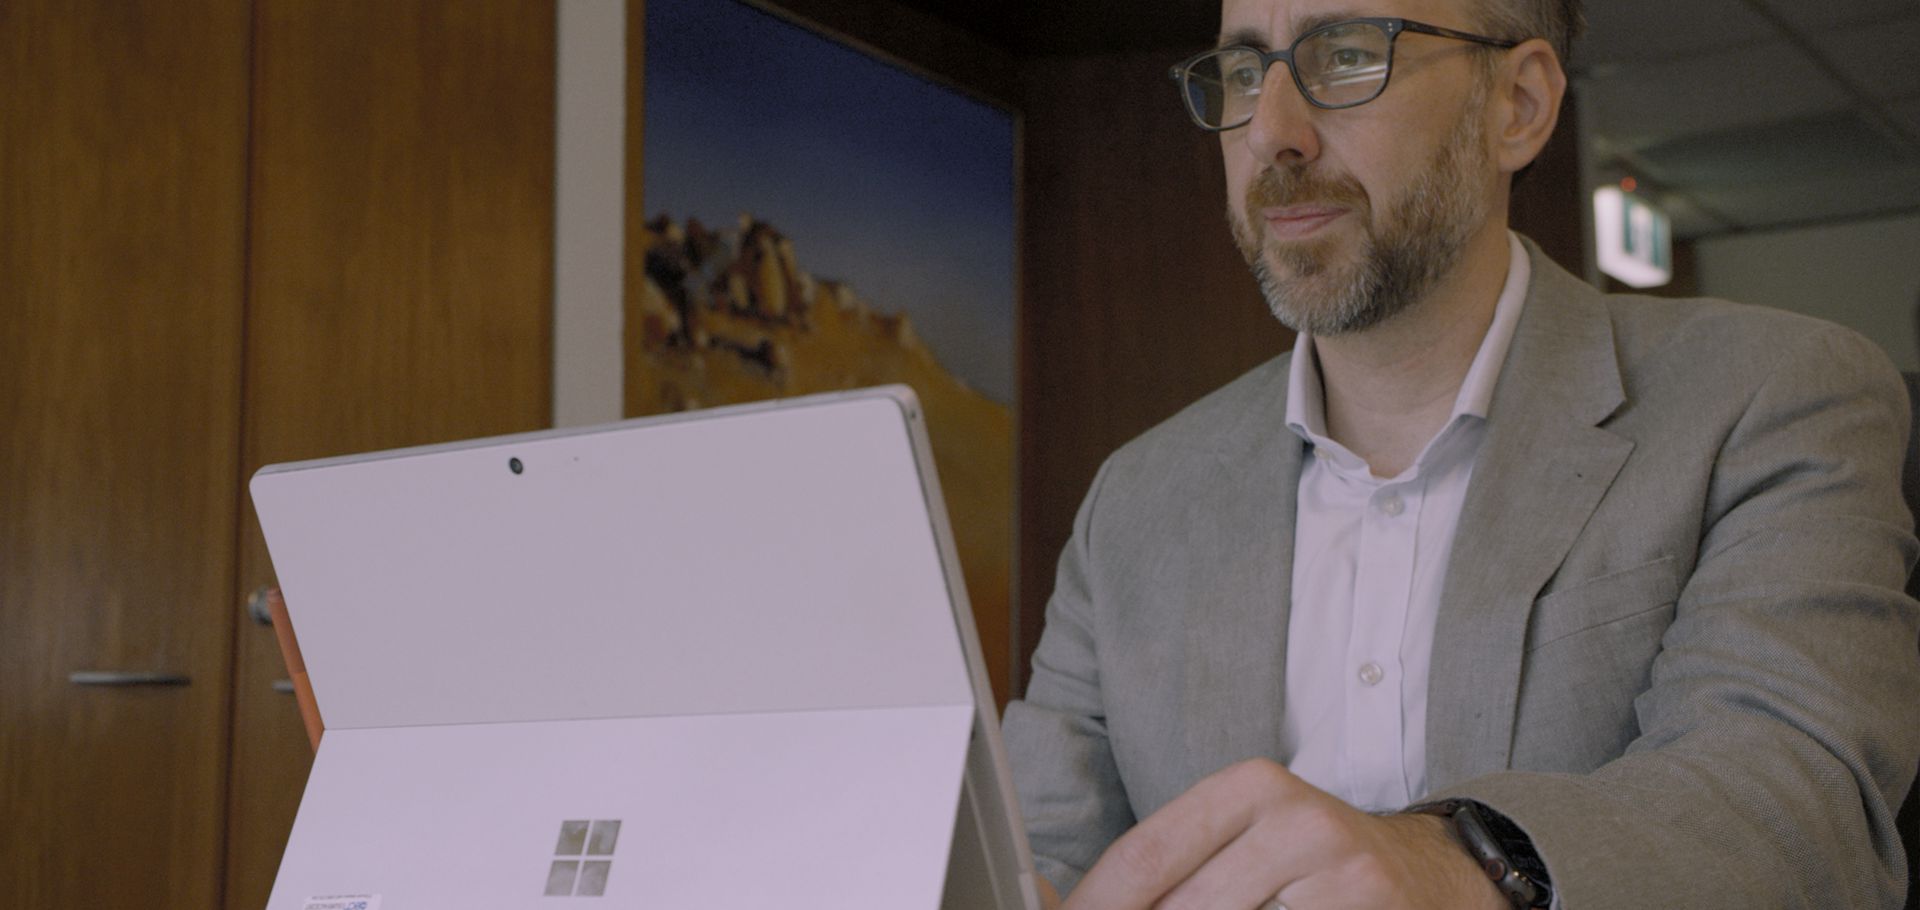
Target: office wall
[589,213]
[1135,300]
[1864,275]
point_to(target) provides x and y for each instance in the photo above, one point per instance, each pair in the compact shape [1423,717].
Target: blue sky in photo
[882,179]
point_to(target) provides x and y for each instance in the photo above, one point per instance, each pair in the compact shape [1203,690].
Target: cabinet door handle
[257,606]
[127,678]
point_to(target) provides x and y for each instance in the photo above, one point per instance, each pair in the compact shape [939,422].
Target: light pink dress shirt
[1369,562]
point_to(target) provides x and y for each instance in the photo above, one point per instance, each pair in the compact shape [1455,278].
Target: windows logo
[575,872]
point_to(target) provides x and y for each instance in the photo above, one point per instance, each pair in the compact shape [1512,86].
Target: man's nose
[1282,128]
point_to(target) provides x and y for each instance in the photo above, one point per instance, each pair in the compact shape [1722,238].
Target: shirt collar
[1306,399]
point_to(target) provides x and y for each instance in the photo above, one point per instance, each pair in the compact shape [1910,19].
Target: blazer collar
[1544,456]
[1541,471]
[1238,585]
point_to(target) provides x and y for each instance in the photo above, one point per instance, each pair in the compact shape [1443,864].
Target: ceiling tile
[1830,196]
[1907,110]
[1621,31]
[1880,58]
[1641,105]
[1830,13]
[1689,220]
[1832,142]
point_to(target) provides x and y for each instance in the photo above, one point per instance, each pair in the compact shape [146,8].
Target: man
[1611,586]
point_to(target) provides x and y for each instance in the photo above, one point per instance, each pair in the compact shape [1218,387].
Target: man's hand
[1049,898]
[1255,831]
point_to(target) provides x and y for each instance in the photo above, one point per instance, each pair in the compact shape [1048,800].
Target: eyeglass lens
[1339,66]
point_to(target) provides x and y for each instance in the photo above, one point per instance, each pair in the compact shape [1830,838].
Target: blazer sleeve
[1056,738]
[1781,727]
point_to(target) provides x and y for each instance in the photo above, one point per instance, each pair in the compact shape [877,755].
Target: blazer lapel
[1240,573]
[1542,470]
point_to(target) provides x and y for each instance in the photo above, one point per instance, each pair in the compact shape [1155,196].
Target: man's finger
[1174,842]
[1144,864]
[1245,873]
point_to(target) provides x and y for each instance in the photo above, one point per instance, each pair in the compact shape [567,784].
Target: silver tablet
[716,659]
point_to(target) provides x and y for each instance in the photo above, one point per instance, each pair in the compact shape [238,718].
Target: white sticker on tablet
[342,902]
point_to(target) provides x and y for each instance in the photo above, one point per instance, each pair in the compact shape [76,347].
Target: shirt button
[1392,504]
[1371,674]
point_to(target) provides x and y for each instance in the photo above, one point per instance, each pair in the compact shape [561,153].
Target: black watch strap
[1503,851]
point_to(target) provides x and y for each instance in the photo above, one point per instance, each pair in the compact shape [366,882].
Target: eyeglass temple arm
[1436,30]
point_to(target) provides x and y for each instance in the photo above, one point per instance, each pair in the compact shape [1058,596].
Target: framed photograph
[818,218]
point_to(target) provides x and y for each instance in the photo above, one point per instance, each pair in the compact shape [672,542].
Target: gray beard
[1421,241]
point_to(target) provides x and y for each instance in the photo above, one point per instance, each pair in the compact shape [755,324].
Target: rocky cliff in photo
[729,317]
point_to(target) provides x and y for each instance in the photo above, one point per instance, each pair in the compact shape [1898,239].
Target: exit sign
[1634,239]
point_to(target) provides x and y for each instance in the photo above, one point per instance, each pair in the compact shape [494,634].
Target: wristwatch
[1503,851]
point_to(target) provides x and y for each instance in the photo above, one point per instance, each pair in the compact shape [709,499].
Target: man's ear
[1526,103]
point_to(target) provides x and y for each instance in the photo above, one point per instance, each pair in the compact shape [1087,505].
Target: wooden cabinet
[401,244]
[231,233]
[122,254]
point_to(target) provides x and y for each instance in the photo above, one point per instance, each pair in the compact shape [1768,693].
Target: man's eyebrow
[1323,19]
[1243,37]
[1251,37]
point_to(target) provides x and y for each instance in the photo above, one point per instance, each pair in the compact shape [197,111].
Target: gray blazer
[1673,643]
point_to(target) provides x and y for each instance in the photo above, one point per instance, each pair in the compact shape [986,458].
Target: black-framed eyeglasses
[1344,64]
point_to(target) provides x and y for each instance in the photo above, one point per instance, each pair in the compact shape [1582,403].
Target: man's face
[1349,216]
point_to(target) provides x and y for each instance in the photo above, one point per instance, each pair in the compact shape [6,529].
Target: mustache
[1280,187]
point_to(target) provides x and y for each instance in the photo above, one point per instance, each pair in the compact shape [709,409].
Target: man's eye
[1348,58]
[1244,78]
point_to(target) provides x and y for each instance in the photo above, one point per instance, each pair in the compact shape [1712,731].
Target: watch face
[1515,843]
[1505,853]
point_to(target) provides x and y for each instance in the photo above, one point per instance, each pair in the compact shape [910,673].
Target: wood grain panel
[401,275]
[122,173]
[1136,301]
[1548,202]
[633,225]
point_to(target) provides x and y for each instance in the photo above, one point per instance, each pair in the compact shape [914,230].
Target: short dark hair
[1558,21]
